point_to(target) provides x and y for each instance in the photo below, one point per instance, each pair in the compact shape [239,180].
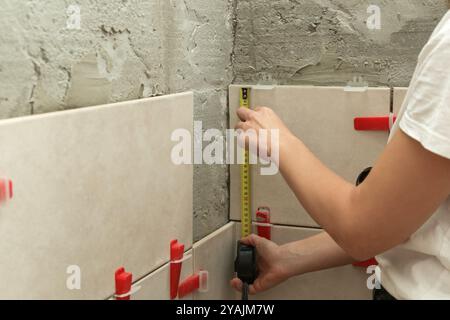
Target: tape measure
[245,264]
[246,216]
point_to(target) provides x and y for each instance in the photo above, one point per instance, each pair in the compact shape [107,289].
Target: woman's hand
[272,265]
[262,118]
[278,263]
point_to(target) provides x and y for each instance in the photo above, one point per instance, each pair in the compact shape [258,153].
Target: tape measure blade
[245,177]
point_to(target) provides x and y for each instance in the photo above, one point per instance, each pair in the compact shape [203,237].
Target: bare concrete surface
[328,42]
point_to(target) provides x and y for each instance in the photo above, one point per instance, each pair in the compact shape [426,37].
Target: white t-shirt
[420,268]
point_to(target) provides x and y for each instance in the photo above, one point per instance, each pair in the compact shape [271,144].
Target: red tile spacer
[176,254]
[6,190]
[373,123]
[366,264]
[263,217]
[198,281]
[10,189]
[123,284]
[189,285]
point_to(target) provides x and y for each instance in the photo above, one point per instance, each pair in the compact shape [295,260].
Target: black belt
[382,294]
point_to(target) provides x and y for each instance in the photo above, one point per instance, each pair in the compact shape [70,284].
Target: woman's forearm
[407,184]
[316,253]
[325,195]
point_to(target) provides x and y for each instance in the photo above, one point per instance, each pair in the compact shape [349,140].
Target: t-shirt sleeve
[427,111]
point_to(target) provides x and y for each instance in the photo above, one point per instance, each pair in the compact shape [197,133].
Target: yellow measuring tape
[246,214]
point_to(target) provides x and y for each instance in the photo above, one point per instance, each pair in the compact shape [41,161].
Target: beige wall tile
[96,188]
[323,118]
[216,253]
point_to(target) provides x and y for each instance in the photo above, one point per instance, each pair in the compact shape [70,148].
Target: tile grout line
[287,225]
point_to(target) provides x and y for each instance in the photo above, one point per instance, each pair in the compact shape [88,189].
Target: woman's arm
[278,263]
[316,253]
[404,189]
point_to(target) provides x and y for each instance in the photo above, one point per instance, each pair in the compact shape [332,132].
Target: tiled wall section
[95,188]
[323,118]
[216,254]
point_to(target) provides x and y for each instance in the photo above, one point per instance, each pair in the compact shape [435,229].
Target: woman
[400,214]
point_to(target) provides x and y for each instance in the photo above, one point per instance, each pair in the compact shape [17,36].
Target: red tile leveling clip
[263,222]
[6,190]
[124,287]
[176,256]
[123,281]
[198,281]
[374,123]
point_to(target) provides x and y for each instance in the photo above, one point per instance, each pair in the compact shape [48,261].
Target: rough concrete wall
[327,42]
[124,49]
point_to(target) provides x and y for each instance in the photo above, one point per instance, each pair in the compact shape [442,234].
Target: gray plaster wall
[128,49]
[328,42]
